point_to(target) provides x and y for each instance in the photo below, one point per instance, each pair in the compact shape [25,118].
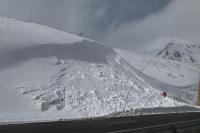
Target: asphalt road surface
[165,123]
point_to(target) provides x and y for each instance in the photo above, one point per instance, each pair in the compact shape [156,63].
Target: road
[165,123]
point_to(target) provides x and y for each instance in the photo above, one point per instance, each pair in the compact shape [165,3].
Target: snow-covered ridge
[20,41]
[180,50]
[18,33]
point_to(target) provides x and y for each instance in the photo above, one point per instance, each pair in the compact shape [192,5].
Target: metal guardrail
[166,123]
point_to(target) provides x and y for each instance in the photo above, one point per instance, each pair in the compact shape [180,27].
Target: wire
[139,74]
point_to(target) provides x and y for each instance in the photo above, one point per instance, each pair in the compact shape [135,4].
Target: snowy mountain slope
[47,74]
[18,35]
[179,80]
[171,72]
[31,33]
[180,50]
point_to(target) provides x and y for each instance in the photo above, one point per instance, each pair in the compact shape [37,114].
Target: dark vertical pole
[199,93]
[30,15]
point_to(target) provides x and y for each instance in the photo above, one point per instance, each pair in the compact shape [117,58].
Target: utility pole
[30,16]
[31,13]
[198,102]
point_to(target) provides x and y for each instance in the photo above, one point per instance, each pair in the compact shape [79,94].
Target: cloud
[130,24]
[181,19]
[17,9]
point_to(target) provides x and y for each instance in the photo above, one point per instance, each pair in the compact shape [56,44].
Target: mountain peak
[177,41]
[180,50]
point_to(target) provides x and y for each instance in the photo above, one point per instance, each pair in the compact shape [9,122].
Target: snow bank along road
[167,123]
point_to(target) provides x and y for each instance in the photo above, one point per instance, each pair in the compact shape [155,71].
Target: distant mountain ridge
[179,50]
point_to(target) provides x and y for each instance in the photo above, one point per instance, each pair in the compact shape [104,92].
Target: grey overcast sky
[127,24]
